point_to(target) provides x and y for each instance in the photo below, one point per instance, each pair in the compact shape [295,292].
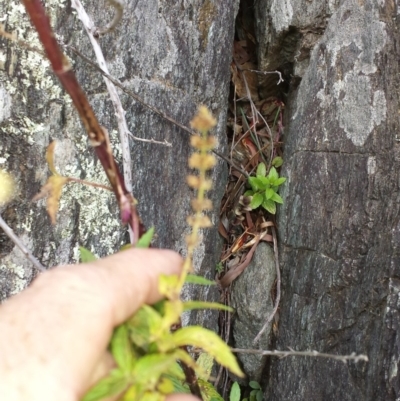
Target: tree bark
[175,55]
[339,226]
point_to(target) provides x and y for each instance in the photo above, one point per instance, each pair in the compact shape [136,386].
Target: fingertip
[182,397]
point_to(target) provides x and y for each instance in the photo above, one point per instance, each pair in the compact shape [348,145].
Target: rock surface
[339,226]
[175,55]
[251,297]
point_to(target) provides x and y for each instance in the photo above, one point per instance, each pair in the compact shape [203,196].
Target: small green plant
[234,395]
[264,188]
[219,268]
[256,393]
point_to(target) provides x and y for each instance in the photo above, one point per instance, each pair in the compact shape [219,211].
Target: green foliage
[148,346]
[145,240]
[256,394]
[234,395]
[219,268]
[85,255]
[264,188]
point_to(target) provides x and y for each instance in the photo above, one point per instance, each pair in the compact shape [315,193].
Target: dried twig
[268,72]
[28,254]
[97,134]
[278,287]
[119,6]
[284,354]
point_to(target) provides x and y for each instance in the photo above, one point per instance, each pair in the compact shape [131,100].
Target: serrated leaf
[256,200]
[276,198]
[144,326]
[145,240]
[210,342]
[121,348]
[206,362]
[273,174]
[148,369]
[234,395]
[261,170]
[208,391]
[280,181]
[200,280]
[277,161]
[269,193]
[112,385]
[191,305]
[85,255]
[269,205]
[254,183]
[255,385]
[50,157]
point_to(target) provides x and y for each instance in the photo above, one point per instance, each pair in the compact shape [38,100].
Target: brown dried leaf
[53,189]
[50,157]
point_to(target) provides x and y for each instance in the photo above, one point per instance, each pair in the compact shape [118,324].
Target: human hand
[54,335]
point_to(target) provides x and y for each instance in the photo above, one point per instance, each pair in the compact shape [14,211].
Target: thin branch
[268,72]
[151,140]
[278,288]
[28,254]
[89,183]
[97,134]
[119,6]
[118,109]
[284,354]
[133,95]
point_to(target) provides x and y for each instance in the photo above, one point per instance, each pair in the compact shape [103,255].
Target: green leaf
[273,174]
[256,201]
[234,395]
[85,255]
[249,193]
[255,385]
[206,362]
[263,182]
[145,240]
[269,205]
[276,198]
[277,161]
[261,170]
[269,193]
[210,342]
[208,391]
[259,396]
[254,183]
[280,181]
[112,385]
[121,348]
[144,326]
[190,305]
[149,368]
[194,279]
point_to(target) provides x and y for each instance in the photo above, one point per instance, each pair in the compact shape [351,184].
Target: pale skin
[54,335]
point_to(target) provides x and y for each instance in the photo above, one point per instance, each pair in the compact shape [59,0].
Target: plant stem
[28,254]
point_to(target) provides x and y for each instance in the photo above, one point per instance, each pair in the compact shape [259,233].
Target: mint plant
[264,188]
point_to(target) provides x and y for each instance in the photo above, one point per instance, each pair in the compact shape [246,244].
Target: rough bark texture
[173,54]
[340,223]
